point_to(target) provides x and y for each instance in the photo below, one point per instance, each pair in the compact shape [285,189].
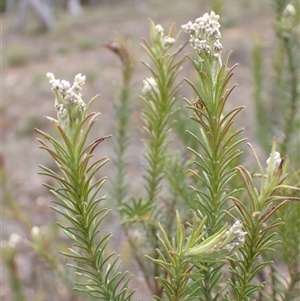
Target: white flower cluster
[159,29]
[236,235]
[67,96]
[168,41]
[35,231]
[150,85]
[289,10]
[205,34]
[277,160]
[13,240]
[220,244]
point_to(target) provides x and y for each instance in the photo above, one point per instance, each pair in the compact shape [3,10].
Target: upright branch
[287,31]
[158,105]
[77,192]
[182,257]
[219,143]
[259,219]
[123,108]
[218,139]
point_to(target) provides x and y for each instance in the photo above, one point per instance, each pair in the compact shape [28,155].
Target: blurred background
[66,38]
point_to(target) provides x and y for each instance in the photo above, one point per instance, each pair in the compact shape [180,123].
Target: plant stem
[293,98]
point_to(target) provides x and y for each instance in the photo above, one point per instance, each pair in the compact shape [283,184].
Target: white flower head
[51,77]
[235,236]
[289,9]
[169,41]
[218,46]
[189,27]
[205,34]
[35,231]
[65,84]
[67,97]
[56,85]
[150,84]
[277,160]
[221,244]
[79,79]
[159,29]
[201,46]
[63,116]
[14,240]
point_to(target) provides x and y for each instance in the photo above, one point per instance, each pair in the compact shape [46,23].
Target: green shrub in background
[206,226]
[278,114]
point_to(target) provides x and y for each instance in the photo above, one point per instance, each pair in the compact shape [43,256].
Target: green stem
[294,279]
[123,113]
[248,263]
[15,281]
[292,106]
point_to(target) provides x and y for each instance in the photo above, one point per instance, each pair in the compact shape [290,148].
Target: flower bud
[219,245]
[149,85]
[159,29]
